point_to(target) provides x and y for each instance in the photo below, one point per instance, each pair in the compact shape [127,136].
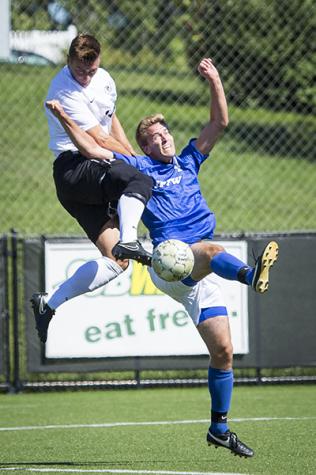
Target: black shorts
[88,188]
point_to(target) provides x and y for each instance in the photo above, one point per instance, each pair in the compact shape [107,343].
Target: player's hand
[55,107]
[207,69]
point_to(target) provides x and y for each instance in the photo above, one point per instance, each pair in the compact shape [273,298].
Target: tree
[263,48]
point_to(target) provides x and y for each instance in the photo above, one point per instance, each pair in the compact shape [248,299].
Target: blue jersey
[177,209]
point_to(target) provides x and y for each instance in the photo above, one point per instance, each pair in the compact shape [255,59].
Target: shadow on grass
[167,96]
[86,464]
[293,140]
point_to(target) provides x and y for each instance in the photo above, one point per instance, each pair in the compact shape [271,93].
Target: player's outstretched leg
[42,313]
[230,441]
[132,250]
[230,267]
[260,280]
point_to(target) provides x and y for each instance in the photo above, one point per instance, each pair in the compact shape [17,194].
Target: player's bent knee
[216,249]
[138,196]
[141,185]
[222,354]
[210,250]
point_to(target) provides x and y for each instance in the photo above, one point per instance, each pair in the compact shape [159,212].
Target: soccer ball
[172,260]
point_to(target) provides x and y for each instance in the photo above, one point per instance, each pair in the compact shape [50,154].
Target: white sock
[88,277]
[130,210]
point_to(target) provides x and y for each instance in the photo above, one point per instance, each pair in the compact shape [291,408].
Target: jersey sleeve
[75,107]
[131,160]
[112,87]
[190,154]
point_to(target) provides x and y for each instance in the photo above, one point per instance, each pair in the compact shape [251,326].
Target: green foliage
[30,15]
[263,48]
[132,32]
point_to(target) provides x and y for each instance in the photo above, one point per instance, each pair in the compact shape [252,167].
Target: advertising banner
[130,316]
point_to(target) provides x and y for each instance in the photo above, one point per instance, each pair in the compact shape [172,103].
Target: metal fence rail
[261,176]
[5,364]
[282,348]
[281,345]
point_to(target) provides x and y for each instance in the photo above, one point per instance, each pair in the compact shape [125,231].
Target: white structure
[51,44]
[4,29]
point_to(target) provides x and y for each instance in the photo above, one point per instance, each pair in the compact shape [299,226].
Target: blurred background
[262,175]
[260,179]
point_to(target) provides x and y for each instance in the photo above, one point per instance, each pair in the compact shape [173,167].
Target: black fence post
[15,307]
[6,313]
[257,324]
[258,341]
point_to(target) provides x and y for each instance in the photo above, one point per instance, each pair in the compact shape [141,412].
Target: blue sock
[231,268]
[189,281]
[220,383]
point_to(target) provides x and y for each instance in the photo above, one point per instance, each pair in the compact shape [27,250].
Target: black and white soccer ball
[172,260]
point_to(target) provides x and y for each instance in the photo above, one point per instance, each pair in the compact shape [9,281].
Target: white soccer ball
[172,260]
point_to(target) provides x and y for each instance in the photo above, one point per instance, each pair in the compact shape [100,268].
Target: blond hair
[145,123]
[85,48]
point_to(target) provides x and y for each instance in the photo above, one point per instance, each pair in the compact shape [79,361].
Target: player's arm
[117,141]
[218,108]
[118,133]
[84,143]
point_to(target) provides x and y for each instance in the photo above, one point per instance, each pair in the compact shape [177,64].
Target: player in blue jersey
[177,210]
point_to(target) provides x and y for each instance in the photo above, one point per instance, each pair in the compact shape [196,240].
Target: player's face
[83,72]
[160,143]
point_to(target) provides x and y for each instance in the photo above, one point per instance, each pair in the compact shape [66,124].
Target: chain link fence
[261,176]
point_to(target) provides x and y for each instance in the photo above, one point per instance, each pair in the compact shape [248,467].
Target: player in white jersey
[87,93]
[177,201]
[89,188]
[92,107]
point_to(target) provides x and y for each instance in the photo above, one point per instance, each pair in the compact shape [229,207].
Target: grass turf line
[282,445]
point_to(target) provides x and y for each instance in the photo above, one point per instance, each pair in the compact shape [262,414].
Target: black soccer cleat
[230,441]
[43,315]
[260,280]
[132,250]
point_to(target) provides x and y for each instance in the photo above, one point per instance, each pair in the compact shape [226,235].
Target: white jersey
[87,106]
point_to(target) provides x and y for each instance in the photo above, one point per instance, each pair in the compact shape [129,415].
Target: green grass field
[156,431]
[261,176]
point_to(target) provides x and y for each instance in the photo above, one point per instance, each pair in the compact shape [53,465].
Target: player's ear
[147,149]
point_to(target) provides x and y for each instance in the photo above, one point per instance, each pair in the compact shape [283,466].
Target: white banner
[130,316]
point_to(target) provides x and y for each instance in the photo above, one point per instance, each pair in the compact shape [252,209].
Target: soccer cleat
[230,441]
[132,250]
[43,315]
[260,280]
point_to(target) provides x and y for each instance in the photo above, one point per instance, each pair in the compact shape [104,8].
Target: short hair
[84,48]
[145,123]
